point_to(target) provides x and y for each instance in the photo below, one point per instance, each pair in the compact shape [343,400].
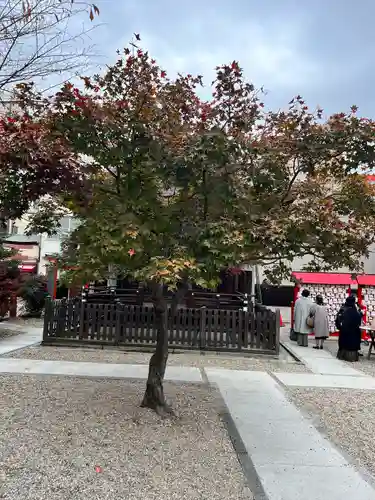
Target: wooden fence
[142,296]
[74,321]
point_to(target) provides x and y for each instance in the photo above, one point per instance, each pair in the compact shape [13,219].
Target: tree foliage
[178,188]
[32,162]
[181,188]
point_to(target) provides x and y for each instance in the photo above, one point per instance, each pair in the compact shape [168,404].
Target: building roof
[325,278]
[366,280]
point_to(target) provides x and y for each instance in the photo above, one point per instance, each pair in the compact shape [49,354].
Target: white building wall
[48,246]
[369,264]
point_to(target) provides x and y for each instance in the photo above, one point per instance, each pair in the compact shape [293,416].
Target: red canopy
[366,280]
[325,278]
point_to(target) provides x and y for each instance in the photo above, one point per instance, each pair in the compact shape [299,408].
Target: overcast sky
[323,50]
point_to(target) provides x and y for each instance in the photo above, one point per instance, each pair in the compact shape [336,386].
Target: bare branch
[39,38]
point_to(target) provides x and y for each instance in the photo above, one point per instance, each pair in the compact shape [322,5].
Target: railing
[74,321]
[142,296]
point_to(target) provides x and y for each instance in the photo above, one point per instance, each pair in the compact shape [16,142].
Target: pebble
[345,416]
[57,433]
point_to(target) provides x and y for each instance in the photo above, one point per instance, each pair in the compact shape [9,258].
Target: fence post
[48,314]
[202,328]
[61,318]
[277,333]
[218,304]
[118,323]
[82,314]
[245,303]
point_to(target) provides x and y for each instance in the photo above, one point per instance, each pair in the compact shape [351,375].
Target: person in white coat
[302,310]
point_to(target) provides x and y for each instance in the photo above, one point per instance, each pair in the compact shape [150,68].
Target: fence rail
[142,296]
[75,321]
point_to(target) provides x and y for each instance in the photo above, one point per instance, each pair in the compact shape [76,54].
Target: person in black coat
[348,322]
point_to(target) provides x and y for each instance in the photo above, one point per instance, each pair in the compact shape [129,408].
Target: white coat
[302,309]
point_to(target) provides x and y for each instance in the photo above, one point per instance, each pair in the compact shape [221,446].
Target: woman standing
[348,322]
[321,323]
[301,313]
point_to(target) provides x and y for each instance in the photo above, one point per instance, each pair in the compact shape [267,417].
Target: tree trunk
[154,396]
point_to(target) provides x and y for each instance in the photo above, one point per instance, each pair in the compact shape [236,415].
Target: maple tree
[32,163]
[180,188]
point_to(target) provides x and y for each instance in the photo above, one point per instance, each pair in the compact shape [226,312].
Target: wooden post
[61,319]
[13,306]
[82,312]
[218,300]
[48,315]
[118,321]
[202,327]
[277,333]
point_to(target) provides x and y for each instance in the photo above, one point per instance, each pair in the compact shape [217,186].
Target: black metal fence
[75,321]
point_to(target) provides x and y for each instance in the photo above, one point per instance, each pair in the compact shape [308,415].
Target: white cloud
[269,61]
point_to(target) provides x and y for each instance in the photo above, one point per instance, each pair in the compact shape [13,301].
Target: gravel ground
[365,365]
[5,333]
[345,416]
[67,438]
[176,359]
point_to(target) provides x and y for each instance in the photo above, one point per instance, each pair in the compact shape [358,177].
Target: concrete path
[96,370]
[293,460]
[321,361]
[362,382]
[32,336]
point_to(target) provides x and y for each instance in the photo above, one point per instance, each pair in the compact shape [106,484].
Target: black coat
[348,322]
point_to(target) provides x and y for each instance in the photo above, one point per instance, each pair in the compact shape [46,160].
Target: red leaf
[163,74]
[91,15]
[122,104]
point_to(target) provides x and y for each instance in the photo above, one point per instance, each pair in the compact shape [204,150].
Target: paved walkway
[9,344]
[96,370]
[320,361]
[293,460]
